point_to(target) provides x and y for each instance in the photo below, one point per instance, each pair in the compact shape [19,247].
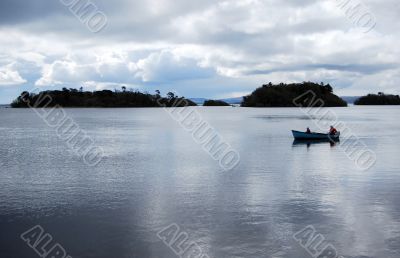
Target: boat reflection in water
[332,142]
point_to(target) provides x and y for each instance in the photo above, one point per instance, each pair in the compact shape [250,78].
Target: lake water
[153,174]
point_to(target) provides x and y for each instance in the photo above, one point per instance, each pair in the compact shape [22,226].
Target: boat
[315,136]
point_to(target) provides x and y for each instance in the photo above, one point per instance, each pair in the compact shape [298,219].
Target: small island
[286,95]
[215,103]
[378,99]
[105,98]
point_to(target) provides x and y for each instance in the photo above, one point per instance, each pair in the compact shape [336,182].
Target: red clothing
[333,131]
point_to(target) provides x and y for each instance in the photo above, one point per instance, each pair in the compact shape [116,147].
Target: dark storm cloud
[13,12]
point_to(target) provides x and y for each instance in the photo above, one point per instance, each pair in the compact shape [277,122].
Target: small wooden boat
[314,136]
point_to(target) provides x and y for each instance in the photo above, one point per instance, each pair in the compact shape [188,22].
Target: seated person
[332,131]
[308,130]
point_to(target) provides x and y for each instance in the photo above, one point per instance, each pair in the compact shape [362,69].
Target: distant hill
[350,99]
[233,100]
[379,99]
[292,95]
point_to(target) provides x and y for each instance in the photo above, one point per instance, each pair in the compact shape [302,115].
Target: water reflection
[332,143]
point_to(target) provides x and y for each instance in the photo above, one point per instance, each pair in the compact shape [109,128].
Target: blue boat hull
[314,136]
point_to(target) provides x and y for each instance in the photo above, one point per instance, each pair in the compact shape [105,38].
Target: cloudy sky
[199,48]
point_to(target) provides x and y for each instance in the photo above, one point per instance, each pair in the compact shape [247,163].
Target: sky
[198,48]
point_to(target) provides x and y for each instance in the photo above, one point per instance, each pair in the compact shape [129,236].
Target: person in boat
[308,130]
[333,130]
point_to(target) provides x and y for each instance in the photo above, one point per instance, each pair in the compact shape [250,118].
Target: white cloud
[165,66]
[161,67]
[8,76]
[78,69]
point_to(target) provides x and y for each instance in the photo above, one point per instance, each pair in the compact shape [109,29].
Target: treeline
[105,98]
[378,99]
[287,95]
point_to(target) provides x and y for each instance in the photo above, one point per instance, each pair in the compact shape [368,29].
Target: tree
[25,96]
[170,95]
[329,88]
[123,88]
[158,94]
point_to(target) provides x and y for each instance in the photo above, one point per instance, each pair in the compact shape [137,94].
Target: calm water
[154,174]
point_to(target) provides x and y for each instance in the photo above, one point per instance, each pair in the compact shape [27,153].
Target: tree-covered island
[105,98]
[215,103]
[378,99]
[289,95]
